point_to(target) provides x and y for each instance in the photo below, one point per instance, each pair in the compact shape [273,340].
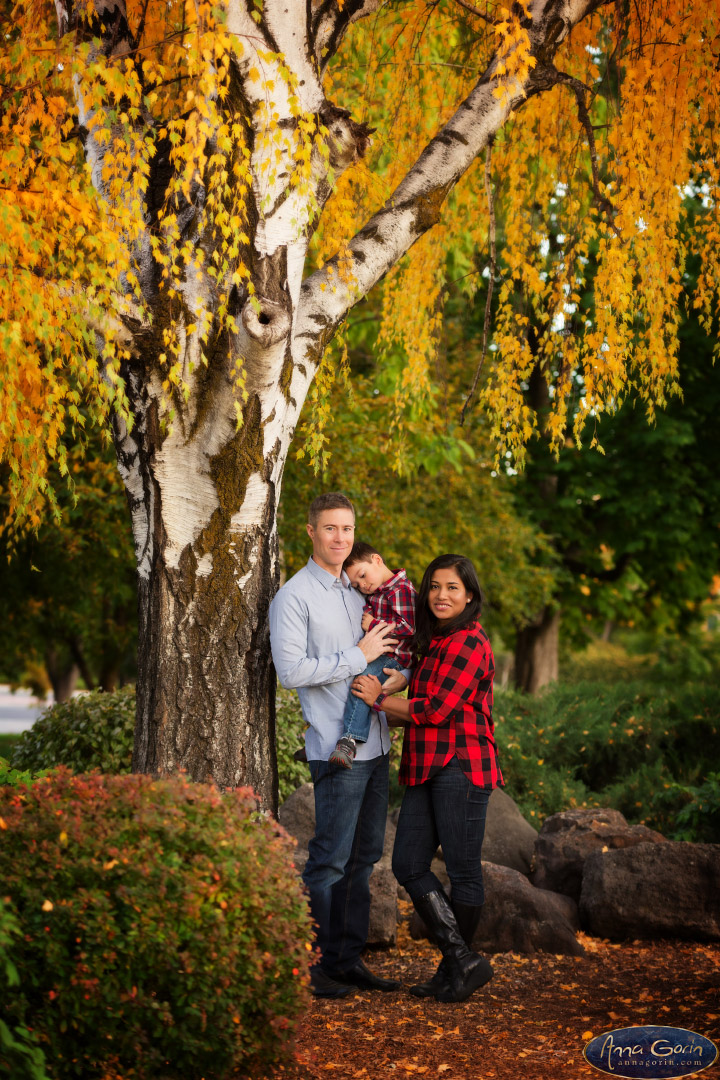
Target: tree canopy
[214,95]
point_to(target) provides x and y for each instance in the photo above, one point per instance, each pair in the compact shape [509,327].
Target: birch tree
[194,203]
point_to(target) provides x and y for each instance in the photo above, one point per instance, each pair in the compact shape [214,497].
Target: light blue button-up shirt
[315,625]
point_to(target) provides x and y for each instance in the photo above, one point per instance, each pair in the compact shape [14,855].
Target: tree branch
[416,204]
[328,23]
[475,11]
[289,37]
[490,194]
[581,91]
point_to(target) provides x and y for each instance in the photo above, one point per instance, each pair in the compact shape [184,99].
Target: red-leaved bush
[164,933]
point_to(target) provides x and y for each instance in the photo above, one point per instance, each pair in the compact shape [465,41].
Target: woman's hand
[367,688]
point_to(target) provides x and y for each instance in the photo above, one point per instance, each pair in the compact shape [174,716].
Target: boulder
[517,917]
[567,839]
[509,837]
[297,816]
[383,907]
[653,890]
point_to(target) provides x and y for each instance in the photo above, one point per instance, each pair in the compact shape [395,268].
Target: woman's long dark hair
[426,625]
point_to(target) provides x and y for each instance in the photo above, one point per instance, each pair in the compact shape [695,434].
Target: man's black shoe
[360,976]
[322,985]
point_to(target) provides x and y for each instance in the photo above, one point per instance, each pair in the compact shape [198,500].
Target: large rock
[509,838]
[653,890]
[517,917]
[567,839]
[297,816]
[383,906]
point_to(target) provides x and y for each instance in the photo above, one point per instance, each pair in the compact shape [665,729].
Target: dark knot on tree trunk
[265,321]
[348,140]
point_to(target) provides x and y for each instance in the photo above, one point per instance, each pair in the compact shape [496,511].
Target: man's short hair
[332,500]
[360,552]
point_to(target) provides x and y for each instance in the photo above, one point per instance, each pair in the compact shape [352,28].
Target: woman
[449,764]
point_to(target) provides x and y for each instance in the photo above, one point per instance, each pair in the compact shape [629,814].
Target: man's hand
[395,683]
[377,641]
[366,620]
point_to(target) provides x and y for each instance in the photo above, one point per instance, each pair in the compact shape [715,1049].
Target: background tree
[635,527]
[68,594]
[163,285]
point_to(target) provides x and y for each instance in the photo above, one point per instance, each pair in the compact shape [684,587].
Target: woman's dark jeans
[450,811]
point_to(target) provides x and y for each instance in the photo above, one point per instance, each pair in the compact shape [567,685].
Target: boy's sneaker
[344,752]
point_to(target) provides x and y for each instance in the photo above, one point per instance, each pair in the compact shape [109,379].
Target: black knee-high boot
[433,986]
[467,917]
[461,971]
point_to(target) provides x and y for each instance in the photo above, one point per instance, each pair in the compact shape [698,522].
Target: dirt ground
[533,1019]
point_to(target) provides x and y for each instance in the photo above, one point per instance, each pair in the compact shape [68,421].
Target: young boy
[391,599]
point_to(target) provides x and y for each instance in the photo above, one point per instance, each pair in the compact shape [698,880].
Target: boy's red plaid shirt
[451,696]
[394,602]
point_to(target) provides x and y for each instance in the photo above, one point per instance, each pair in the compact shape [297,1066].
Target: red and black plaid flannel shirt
[394,602]
[450,697]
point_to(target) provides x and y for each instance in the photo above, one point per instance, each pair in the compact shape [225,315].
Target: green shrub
[15,777]
[636,746]
[164,931]
[90,731]
[95,731]
[289,737]
[7,743]
[699,816]
[20,1054]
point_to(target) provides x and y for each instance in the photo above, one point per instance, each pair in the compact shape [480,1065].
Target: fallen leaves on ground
[536,1014]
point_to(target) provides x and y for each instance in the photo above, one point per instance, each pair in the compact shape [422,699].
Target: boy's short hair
[332,500]
[360,552]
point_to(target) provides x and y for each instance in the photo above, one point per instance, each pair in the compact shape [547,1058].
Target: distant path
[19,711]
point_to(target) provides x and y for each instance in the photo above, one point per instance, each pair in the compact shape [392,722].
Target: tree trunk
[206,688]
[110,676]
[63,674]
[204,502]
[536,652]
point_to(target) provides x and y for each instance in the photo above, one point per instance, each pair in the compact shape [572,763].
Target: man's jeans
[356,719]
[350,814]
[449,810]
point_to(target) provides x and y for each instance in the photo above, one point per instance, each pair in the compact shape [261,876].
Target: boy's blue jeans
[356,719]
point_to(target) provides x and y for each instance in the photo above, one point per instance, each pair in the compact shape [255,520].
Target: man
[318,648]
